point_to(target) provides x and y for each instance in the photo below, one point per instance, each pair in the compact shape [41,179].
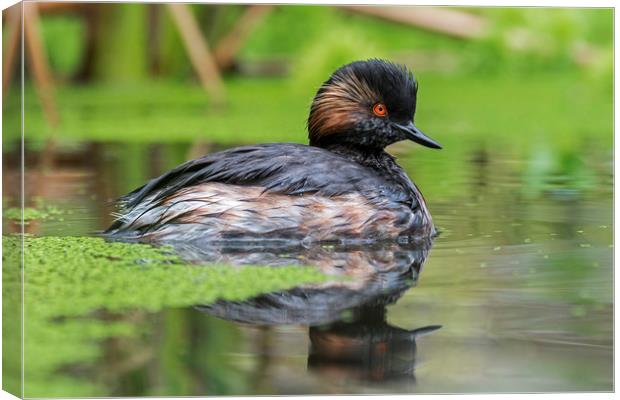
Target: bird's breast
[221,211]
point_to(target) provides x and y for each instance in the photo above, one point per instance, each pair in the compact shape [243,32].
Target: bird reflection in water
[349,333]
[365,347]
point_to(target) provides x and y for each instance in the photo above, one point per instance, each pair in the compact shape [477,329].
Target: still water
[514,295]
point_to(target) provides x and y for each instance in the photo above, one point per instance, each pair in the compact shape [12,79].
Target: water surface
[514,295]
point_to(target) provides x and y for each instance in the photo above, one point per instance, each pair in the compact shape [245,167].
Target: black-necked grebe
[342,186]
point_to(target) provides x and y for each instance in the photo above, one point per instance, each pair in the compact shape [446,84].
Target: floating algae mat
[76,289]
[31,214]
[41,211]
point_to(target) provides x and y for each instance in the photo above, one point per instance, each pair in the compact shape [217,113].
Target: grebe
[343,185]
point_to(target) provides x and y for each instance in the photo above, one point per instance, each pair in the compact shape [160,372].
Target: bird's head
[369,104]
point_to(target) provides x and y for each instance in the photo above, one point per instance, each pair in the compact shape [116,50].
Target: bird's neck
[384,165]
[371,157]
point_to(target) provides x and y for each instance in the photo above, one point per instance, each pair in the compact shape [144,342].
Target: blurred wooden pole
[13,27]
[38,62]
[443,20]
[228,47]
[198,149]
[198,51]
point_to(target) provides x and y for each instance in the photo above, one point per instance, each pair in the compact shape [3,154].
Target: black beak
[416,135]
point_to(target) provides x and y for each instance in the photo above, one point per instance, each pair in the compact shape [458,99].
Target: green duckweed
[74,284]
[31,214]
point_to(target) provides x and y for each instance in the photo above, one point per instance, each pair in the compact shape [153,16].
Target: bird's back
[273,191]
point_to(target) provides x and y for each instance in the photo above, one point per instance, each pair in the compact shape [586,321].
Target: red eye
[379,110]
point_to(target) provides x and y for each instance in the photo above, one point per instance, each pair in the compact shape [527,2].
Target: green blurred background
[123,73]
